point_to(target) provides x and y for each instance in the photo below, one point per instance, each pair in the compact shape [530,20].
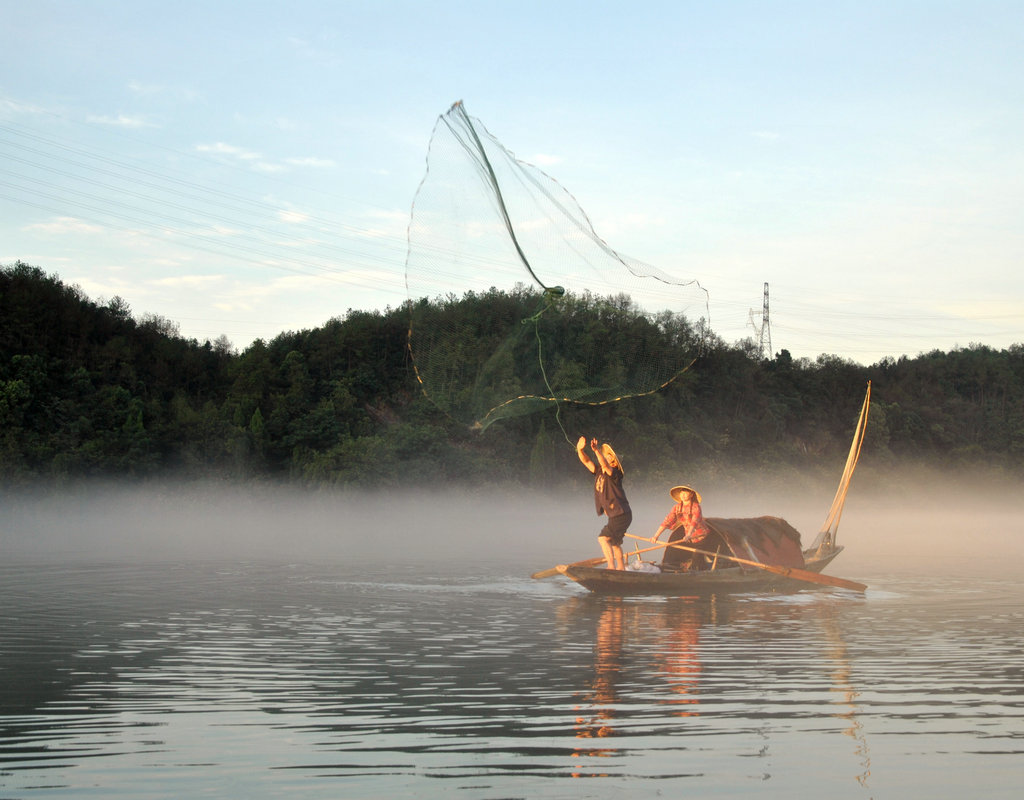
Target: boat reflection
[598,710]
[662,666]
[679,664]
[846,693]
[623,632]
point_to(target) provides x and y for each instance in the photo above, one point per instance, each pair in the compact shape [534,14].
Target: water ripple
[282,681]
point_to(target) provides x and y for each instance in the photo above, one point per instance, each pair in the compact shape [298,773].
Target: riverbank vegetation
[89,391]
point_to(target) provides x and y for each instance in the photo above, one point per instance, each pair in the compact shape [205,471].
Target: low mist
[933,528]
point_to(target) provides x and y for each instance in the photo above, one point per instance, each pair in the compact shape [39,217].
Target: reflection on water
[676,663]
[846,693]
[301,681]
[598,707]
[680,663]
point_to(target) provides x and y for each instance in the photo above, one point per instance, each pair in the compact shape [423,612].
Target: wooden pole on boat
[789,572]
[590,562]
[547,573]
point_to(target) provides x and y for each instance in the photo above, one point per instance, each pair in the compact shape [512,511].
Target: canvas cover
[768,540]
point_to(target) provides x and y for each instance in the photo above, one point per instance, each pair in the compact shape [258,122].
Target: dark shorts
[615,530]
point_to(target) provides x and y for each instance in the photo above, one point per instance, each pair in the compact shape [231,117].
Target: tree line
[87,390]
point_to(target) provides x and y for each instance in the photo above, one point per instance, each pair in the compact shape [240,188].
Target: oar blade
[557,570]
[827,580]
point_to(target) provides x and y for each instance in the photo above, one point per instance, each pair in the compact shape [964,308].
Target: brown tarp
[768,540]
[772,539]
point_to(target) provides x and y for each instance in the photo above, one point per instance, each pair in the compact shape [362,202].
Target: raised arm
[596,447]
[584,458]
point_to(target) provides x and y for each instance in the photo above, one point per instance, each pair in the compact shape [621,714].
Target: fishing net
[516,304]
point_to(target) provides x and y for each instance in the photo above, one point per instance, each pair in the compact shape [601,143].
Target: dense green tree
[87,390]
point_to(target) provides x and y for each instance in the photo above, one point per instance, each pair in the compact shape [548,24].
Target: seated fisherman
[686,521]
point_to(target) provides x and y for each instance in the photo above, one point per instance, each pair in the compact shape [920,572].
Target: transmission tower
[763,331]
[766,328]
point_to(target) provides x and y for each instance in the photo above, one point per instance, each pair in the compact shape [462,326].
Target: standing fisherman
[609,499]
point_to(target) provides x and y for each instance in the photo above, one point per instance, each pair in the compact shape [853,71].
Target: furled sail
[826,538]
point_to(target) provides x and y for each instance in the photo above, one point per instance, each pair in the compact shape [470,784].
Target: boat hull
[729,580]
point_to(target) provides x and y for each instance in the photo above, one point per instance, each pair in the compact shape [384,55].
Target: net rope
[516,304]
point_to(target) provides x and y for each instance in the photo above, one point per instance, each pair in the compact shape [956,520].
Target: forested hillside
[87,390]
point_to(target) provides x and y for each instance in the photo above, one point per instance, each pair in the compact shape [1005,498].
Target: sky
[248,169]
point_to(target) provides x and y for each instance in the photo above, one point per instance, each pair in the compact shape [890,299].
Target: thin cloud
[140,88]
[298,283]
[401,217]
[242,297]
[224,149]
[151,89]
[983,309]
[13,106]
[231,308]
[324,163]
[121,121]
[301,283]
[64,225]
[250,158]
[188,281]
[545,160]
[314,52]
[224,230]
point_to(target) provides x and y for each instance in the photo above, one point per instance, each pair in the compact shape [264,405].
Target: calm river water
[226,678]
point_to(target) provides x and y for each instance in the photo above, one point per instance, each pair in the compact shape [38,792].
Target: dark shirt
[609,496]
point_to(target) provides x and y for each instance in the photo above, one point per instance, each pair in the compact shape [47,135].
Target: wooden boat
[731,579]
[744,564]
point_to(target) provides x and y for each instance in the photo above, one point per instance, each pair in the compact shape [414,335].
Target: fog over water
[928,528]
[171,641]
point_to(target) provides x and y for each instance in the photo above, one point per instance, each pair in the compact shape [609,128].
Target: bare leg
[620,561]
[608,550]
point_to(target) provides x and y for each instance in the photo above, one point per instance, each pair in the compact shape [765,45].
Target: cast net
[516,304]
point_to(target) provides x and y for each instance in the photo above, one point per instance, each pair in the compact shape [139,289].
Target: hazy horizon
[925,528]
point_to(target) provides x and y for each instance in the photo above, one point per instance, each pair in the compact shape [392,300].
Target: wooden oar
[590,562]
[547,573]
[789,572]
